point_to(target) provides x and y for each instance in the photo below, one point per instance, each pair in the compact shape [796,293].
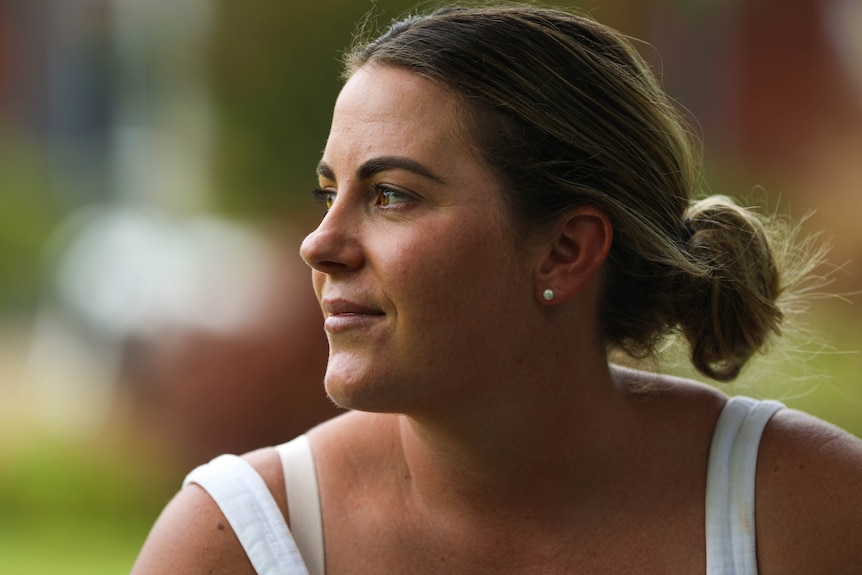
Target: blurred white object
[137,272]
[124,274]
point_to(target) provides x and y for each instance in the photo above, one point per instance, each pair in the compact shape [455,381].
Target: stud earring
[548,294]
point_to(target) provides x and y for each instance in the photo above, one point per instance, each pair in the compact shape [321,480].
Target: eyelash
[327,197]
[324,197]
[383,189]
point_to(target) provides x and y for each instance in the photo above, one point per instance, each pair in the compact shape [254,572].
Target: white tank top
[274,549]
[730,522]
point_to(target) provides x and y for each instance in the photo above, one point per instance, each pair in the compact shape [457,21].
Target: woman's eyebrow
[381,164]
[324,171]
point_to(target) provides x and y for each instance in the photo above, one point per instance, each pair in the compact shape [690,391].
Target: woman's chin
[350,389]
[362,392]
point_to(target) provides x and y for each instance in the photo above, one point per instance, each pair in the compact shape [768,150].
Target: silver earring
[548,294]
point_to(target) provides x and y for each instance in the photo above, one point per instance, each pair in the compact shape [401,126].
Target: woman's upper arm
[192,536]
[809,497]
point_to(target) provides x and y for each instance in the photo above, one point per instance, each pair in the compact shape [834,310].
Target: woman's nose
[334,246]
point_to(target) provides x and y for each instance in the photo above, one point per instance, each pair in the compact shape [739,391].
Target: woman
[509,201]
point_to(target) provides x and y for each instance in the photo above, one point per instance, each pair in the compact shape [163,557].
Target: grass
[68,545]
[72,508]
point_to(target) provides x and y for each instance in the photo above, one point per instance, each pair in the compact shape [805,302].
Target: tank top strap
[249,507]
[730,521]
[303,501]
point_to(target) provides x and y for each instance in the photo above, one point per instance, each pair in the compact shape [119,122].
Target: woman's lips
[342,314]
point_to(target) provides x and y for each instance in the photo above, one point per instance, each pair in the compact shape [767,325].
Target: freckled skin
[440,261]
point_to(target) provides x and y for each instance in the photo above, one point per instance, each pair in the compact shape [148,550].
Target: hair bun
[731,309]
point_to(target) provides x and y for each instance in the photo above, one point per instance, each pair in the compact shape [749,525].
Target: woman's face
[423,284]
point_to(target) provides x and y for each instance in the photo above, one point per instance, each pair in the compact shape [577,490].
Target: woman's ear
[574,254]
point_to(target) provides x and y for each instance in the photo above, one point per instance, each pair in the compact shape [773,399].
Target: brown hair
[566,112]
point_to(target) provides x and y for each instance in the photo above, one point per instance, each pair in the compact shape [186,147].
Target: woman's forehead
[397,112]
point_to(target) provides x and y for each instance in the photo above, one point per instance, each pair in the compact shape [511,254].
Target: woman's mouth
[343,314]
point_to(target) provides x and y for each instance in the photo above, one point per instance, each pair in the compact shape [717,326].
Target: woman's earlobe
[575,253]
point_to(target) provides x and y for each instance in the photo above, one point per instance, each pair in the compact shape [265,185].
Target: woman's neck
[557,440]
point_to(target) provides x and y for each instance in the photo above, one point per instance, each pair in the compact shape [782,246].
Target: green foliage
[27,216]
[274,75]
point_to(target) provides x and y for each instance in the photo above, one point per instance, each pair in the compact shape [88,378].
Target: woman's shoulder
[808,496]
[192,536]
[809,478]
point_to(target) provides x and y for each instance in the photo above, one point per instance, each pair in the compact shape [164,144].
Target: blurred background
[155,159]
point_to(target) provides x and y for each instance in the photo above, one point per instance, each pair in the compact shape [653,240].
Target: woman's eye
[390,196]
[325,197]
